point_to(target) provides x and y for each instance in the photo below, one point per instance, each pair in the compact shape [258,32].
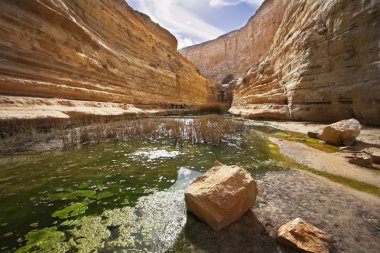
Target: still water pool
[122,196]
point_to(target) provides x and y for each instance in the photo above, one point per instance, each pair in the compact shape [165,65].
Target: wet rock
[313,135]
[221,196]
[304,236]
[342,133]
[361,159]
[374,153]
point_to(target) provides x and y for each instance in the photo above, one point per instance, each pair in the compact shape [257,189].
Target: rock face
[235,52]
[221,196]
[101,51]
[323,65]
[305,237]
[321,62]
[342,133]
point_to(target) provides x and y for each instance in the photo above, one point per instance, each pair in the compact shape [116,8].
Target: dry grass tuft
[210,129]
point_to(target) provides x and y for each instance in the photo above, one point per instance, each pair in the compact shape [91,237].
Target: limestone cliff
[323,65]
[92,51]
[235,52]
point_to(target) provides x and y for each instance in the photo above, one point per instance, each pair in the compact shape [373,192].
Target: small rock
[362,160]
[221,196]
[313,135]
[342,133]
[304,236]
[374,153]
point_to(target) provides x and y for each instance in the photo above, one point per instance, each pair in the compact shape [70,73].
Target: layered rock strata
[323,65]
[317,61]
[100,51]
[234,53]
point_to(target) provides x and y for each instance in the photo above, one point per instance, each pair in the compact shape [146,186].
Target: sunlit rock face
[94,51]
[322,62]
[235,52]
[323,65]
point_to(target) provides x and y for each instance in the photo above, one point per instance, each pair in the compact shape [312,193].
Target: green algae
[297,137]
[72,210]
[84,185]
[73,195]
[287,162]
[44,240]
[104,195]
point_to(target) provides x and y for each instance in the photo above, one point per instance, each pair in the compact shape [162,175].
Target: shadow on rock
[244,235]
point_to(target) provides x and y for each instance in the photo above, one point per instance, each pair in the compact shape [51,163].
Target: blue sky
[196,21]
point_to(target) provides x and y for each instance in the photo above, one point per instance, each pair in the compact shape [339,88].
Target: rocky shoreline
[283,196]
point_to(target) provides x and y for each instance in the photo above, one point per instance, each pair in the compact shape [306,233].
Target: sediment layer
[101,51]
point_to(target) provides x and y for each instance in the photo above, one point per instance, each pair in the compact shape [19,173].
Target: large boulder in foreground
[342,133]
[304,236]
[221,196]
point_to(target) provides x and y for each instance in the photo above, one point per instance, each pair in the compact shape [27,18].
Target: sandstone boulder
[304,236]
[221,196]
[342,133]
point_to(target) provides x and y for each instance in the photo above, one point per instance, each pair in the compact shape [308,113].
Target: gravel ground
[350,216]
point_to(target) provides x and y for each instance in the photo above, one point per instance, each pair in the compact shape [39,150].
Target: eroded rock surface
[302,235]
[322,65]
[233,53]
[101,51]
[301,60]
[221,196]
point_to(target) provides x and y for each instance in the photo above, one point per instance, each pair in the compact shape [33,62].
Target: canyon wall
[235,52]
[323,64]
[86,50]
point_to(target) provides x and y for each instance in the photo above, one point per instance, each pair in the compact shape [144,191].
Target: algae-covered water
[122,196]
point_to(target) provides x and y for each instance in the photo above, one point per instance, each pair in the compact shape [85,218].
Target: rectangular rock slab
[221,196]
[304,236]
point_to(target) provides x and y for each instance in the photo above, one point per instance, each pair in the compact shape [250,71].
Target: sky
[197,21]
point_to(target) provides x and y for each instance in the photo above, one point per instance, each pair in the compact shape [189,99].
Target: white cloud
[221,3]
[185,42]
[178,20]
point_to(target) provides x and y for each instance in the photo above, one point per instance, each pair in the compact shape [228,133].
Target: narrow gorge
[300,60]
[116,137]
